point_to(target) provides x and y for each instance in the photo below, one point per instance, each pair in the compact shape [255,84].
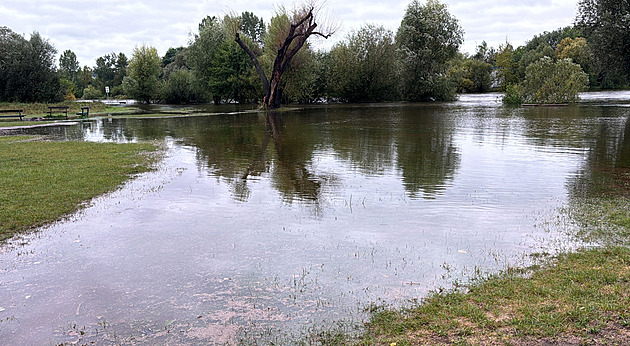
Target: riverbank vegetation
[581,297]
[419,62]
[43,181]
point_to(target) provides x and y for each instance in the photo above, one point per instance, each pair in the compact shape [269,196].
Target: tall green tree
[68,65]
[203,48]
[472,75]
[363,68]
[110,70]
[69,71]
[27,68]
[179,87]
[606,26]
[232,75]
[84,79]
[507,66]
[428,37]
[253,27]
[144,70]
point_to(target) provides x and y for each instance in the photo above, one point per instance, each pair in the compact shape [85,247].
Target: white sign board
[107,89]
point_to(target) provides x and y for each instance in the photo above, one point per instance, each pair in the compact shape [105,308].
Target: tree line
[419,62]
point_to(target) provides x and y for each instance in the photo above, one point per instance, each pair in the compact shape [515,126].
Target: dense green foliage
[144,70]
[27,69]
[363,69]
[548,81]
[428,37]
[606,27]
[110,70]
[471,76]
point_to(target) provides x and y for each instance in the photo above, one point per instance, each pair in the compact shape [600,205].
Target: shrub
[512,95]
[547,81]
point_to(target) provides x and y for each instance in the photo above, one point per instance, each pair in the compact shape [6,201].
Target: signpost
[107,91]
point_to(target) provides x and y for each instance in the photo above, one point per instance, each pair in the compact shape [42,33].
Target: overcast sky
[93,28]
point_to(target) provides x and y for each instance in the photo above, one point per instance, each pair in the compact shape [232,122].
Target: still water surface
[265,228]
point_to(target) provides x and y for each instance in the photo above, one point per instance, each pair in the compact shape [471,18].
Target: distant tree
[110,70]
[485,53]
[287,43]
[529,56]
[232,75]
[363,68]
[27,69]
[606,26]
[552,39]
[507,66]
[120,72]
[472,76]
[68,65]
[428,37]
[171,55]
[578,50]
[547,81]
[144,70]
[91,93]
[84,79]
[201,53]
[253,27]
[174,60]
[180,87]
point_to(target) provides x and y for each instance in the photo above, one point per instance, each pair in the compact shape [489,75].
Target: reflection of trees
[292,174]
[238,149]
[374,139]
[427,156]
[607,168]
[364,137]
[233,148]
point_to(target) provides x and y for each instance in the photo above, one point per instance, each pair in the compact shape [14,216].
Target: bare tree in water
[302,25]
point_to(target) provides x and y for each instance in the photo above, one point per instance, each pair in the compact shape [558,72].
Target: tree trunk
[298,34]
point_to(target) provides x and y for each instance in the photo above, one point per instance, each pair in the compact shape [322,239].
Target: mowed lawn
[41,181]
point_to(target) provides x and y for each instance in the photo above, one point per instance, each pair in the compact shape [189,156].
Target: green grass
[578,298]
[41,109]
[582,296]
[43,181]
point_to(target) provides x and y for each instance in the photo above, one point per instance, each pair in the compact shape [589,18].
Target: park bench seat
[18,113]
[59,109]
[85,112]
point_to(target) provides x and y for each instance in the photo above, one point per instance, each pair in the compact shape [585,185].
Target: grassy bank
[41,109]
[43,181]
[583,297]
[576,298]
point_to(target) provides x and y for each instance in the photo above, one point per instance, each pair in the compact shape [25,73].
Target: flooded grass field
[260,230]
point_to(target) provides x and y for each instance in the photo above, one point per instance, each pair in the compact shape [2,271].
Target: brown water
[264,230]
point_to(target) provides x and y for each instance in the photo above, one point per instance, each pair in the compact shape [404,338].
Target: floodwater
[264,230]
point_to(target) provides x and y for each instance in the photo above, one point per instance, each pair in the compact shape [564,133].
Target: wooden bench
[85,112]
[18,115]
[60,109]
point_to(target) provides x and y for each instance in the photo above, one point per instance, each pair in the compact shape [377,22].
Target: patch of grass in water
[43,181]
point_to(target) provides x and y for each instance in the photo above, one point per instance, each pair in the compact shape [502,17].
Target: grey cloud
[94,28]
